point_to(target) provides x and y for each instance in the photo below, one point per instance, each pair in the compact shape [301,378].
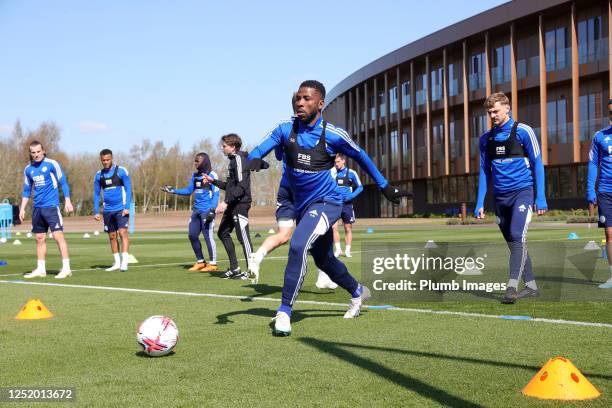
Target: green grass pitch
[226,355]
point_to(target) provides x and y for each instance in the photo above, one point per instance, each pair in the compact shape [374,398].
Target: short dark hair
[104,152]
[201,154]
[311,83]
[36,143]
[232,139]
[340,156]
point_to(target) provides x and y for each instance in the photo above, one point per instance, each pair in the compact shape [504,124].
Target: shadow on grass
[296,315]
[142,354]
[428,391]
[470,360]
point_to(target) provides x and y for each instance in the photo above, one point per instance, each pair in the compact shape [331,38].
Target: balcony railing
[476,81]
[561,133]
[528,67]
[558,59]
[590,126]
[593,51]
[500,75]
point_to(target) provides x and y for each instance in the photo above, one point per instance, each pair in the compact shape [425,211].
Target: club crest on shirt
[44,169]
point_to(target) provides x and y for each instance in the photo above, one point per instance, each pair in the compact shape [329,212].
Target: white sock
[513,283]
[117,259]
[260,254]
[66,264]
[338,247]
[124,258]
[348,249]
[532,285]
[41,265]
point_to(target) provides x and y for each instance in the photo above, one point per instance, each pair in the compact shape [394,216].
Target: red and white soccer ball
[157,335]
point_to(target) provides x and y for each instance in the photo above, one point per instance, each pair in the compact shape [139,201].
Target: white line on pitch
[309,302]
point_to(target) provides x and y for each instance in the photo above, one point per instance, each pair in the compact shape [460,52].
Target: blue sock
[285,308]
[357,292]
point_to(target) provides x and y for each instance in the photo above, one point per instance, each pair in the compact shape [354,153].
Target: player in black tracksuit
[235,207]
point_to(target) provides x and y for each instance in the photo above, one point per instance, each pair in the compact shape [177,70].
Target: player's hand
[394,194]
[258,164]
[167,189]
[97,217]
[221,208]
[125,212]
[479,213]
[211,215]
[207,179]
[541,211]
[22,214]
[68,206]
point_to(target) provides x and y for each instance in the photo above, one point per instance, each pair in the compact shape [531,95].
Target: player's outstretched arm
[96,196]
[593,168]
[342,143]
[483,179]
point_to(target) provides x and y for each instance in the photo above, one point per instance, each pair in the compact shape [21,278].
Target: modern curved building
[418,111]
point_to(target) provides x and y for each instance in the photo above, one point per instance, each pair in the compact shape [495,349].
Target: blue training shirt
[116,198]
[204,199]
[350,191]
[600,158]
[513,173]
[42,179]
[310,187]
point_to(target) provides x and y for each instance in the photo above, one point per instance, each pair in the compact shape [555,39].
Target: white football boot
[282,324]
[36,273]
[355,304]
[64,273]
[324,282]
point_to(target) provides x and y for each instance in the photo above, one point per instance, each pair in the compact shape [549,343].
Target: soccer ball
[3,240]
[157,335]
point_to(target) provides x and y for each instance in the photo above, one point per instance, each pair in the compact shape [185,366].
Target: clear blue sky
[111,73]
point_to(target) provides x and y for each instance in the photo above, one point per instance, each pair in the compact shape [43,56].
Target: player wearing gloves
[206,198]
[509,153]
[310,144]
[600,171]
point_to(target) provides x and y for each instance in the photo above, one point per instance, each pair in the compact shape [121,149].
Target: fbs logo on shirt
[500,150]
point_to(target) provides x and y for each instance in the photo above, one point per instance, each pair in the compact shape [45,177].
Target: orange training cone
[559,379]
[32,310]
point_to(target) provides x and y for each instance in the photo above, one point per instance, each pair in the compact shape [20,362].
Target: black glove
[211,215]
[394,194]
[167,189]
[258,164]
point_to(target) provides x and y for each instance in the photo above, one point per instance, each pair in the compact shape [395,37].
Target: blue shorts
[115,220]
[47,218]
[348,214]
[604,208]
[285,210]
[513,210]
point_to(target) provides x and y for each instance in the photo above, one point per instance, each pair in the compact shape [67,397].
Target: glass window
[558,55]
[454,79]
[393,99]
[591,114]
[382,104]
[591,44]
[477,68]
[394,151]
[406,95]
[406,146]
[372,107]
[500,72]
